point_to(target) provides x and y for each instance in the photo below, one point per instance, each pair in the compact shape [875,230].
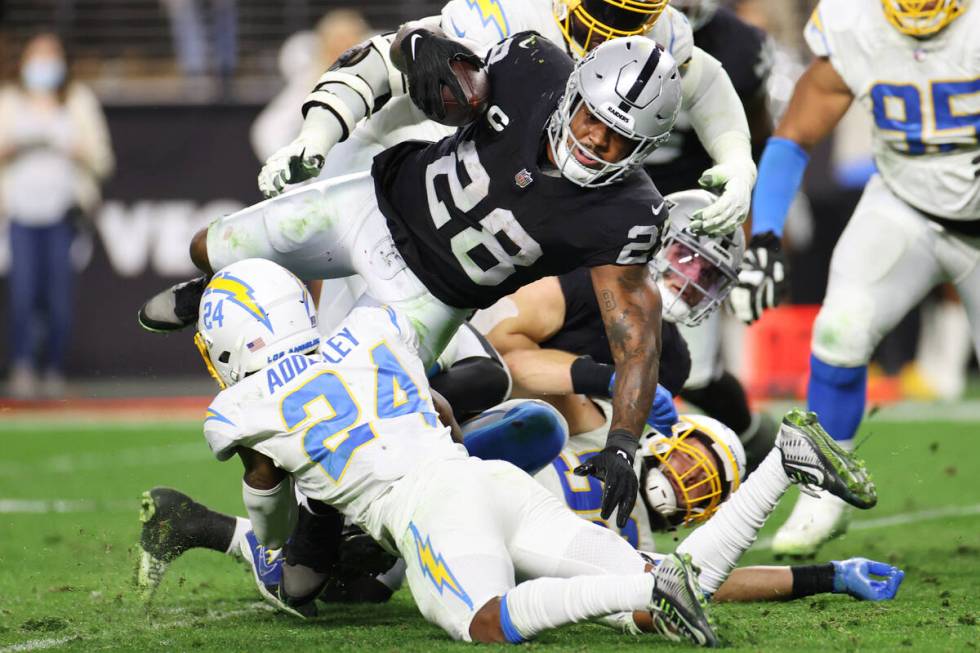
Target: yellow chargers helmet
[686,476]
[922,18]
[587,23]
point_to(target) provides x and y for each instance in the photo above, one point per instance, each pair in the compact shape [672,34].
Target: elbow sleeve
[360,83]
[780,176]
[272,512]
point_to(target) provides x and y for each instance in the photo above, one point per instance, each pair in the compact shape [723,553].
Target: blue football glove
[663,413]
[855,577]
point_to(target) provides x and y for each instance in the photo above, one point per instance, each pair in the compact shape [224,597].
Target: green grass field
[69,497]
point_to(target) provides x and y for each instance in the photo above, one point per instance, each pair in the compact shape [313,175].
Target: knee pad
[525,432]
[842,332]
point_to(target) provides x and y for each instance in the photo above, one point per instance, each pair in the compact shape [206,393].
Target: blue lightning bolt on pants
[467,528]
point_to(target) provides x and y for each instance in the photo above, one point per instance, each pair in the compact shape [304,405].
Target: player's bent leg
[966,277]
[390,281]
[884,263]
[812,458]
[173,523]
[525,432]
[453,542]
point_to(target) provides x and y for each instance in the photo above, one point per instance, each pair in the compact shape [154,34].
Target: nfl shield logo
[523,178]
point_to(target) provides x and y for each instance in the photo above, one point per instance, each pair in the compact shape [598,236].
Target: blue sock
[529,435]
[837,396]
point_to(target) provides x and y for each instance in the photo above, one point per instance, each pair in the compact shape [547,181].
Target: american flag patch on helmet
[256,344]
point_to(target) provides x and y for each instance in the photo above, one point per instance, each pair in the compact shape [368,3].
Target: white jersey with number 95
[346,421]
[924,97]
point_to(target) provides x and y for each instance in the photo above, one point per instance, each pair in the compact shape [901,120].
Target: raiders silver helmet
[630,84]
[695,272]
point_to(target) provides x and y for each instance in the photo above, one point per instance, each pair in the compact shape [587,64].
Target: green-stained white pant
[333,229]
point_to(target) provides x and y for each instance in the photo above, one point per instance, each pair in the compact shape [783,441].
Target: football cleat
[267,566]
[814,521]
[174,308]
[812,459]
[678,606]
[163,538]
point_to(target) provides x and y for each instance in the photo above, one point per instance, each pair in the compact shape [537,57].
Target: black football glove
[614,467]
[763,279]
[427,58]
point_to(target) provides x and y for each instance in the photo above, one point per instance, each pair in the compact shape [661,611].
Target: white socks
[545,603]
[717,545]
[242,526]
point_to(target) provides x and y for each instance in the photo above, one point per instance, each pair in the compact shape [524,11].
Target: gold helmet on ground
[688,474]
[587,23]
[922,18]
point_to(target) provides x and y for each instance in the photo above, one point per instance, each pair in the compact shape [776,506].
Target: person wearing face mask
[54,151]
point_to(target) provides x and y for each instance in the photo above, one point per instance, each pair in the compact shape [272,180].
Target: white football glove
[762,280]
[304,157]
[732,206]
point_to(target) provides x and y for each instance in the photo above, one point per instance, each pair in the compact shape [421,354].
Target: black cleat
[174,308]
[172,523]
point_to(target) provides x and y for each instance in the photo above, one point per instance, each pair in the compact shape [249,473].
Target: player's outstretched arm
[719,120]
[631,311]
[866,580]
[820,100]
[361,81]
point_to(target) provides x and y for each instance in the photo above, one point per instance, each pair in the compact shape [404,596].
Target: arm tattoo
[608,301]
[630,307]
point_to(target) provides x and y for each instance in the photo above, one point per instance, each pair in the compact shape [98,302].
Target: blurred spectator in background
[191,36]
[54,151]
[302,59]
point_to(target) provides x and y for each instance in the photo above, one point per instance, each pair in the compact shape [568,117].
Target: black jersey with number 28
[475,217]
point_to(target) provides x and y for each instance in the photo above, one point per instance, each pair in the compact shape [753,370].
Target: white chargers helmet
[632,85]
[698,12]
[686,476]
[695,272]
[252,313]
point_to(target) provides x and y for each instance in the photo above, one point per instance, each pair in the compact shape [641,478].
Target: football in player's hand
[476,87]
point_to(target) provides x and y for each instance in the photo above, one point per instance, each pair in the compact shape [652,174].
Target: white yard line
[37,644]
[897,520]
[46,506]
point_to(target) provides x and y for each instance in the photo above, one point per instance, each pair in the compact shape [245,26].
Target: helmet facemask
[634,90]
[694,279]
[564,144]
[687,476]
[586,24]
[693,477]
[922,18]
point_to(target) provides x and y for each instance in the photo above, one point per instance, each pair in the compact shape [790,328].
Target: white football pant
[333,229]
[886,261]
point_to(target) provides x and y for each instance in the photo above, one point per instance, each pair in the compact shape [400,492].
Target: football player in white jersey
[351,422]
[915,66]
[695,477]
[335,140]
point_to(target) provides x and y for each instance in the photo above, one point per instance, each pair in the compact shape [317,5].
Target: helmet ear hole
[224,357]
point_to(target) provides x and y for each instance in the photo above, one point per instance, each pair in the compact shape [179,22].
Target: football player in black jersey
[546,181]
[745,53]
